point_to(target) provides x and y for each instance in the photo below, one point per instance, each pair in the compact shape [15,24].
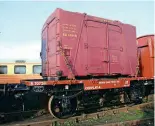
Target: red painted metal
[146,50]
[95,84]
[93,45]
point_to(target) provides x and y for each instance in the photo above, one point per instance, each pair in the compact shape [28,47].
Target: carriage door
[97,60]
[115,48]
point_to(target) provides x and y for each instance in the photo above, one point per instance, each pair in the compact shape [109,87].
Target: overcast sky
[21,22]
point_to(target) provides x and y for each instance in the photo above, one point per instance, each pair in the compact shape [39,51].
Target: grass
[119,117]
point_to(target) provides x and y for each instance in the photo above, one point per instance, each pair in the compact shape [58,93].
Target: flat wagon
[88,61]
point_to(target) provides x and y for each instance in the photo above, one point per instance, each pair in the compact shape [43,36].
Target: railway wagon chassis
[64,98]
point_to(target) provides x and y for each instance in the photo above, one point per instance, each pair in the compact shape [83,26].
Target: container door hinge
[105,61]
[85,45]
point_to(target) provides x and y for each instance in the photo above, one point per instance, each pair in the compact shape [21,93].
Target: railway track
[47,120]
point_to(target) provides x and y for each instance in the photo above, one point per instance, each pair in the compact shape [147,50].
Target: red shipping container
[146,55]
[93,46]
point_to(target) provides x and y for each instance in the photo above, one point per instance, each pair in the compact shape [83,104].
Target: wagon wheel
[62,107]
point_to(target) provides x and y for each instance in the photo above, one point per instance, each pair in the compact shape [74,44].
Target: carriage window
[36,69]
[3,69]
[20,69]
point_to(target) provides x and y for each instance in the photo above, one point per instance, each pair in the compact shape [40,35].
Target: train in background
[10,75]
[87,61]
[13,72]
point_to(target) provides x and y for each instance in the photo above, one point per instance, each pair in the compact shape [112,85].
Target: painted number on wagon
[37,83]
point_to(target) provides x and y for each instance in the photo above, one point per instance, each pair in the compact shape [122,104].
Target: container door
[48,53]
[51,50]
[43,53]
[97,60]
[115,48]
